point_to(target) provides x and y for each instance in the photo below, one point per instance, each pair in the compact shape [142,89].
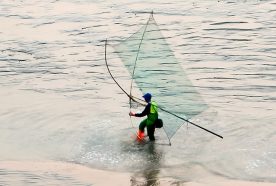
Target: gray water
[59,103]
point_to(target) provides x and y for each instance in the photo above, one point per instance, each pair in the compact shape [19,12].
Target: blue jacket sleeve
[145,112]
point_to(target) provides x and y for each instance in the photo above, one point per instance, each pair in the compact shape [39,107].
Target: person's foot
[140,135]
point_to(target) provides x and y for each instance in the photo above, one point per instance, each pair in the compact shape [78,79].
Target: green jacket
[151,110]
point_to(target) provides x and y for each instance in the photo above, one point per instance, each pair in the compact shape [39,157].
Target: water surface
[59,103]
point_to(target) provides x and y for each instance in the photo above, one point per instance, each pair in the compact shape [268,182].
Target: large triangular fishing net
[155,69]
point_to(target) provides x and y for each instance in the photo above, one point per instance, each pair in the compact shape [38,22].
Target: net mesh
[157,71]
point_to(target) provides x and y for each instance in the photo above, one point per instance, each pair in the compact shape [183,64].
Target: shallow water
[59,103]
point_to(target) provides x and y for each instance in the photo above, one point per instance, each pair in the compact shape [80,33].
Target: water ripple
[56,91]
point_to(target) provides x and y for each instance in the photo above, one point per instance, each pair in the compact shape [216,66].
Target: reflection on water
[150,173]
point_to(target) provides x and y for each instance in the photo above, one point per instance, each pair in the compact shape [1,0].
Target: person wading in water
[151,111]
